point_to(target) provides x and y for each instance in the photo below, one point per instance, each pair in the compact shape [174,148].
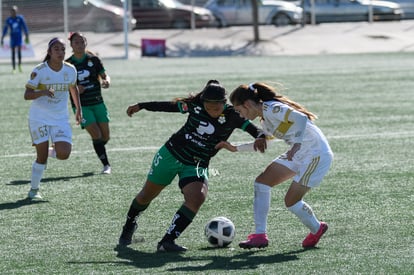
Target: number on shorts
[157,159]
[43,131]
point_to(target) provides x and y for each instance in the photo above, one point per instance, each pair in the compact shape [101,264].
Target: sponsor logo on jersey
[205,128]
[83,74]
[184,106]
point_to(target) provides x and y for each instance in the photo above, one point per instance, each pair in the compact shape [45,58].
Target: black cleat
[170,247]
[127,233]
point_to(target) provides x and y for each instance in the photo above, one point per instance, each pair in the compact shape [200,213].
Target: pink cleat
[312,239]
[255,241]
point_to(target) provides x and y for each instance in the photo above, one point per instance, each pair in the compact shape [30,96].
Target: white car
[352,10]
[407,6]
[239,12]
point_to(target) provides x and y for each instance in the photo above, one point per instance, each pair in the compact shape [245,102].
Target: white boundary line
[154,148]
[142,148]
[375,135]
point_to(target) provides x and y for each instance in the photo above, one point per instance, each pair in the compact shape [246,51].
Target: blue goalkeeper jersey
[17,26]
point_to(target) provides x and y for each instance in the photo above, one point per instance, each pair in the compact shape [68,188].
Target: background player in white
[49,86]
[307,161]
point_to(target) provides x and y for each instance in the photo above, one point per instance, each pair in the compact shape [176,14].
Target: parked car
[159,14]
[407,6]
[239,12]
[352,10]
[48,15]
[199,3]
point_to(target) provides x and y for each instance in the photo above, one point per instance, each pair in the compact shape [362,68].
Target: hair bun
[214,92]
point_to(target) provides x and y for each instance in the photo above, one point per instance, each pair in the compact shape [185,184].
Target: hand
[2,42]
[49,93]
[105,84]
[27,40]
[132,109]
[291,153]
[226,145]
[260,144]
[78,117]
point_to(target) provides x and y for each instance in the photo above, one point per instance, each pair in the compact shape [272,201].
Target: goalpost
[65,7]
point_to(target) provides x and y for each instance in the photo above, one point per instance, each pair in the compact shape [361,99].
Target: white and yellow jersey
[283,122]
[46,109]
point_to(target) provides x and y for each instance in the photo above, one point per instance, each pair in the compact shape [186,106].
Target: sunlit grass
[364,104]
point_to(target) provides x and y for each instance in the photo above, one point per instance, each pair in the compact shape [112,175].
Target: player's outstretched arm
[132,109]
[226,145]
[260,144]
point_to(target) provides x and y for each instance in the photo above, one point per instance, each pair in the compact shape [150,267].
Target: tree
[255,11]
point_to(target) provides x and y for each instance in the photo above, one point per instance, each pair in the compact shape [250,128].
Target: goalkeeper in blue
[306,162]
[17,26]
[187,153]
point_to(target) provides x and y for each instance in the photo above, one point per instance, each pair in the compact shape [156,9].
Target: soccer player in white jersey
[48,87]
[307,161]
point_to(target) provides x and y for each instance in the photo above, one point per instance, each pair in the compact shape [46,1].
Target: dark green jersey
[194,143]
[89,68]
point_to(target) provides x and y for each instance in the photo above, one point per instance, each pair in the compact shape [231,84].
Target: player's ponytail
[265,91]
[261,92]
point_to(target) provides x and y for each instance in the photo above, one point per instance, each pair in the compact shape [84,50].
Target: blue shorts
[16,41]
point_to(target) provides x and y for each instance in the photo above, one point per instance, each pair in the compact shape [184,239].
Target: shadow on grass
[19,203]
[242,261]
[21,182]
[246,260]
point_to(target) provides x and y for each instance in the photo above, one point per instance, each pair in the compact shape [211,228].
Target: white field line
[154,148]
[374,135]
[84,152]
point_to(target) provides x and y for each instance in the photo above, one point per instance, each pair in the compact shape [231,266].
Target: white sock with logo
[37,174]
[261,206]
[305,213]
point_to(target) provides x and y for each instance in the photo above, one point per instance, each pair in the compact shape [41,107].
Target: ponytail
[261,92]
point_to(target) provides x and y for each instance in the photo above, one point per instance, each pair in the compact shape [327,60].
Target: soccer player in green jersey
[187,153]
[91,78]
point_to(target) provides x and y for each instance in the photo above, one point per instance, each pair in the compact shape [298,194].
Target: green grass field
[365,105]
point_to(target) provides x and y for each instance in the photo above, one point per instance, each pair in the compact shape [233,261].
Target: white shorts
[41,132]
[309,170]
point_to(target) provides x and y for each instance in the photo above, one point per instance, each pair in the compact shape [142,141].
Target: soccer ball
[220,231]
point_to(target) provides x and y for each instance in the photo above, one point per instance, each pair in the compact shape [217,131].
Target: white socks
[37,174]
[305,213]
[261,206]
